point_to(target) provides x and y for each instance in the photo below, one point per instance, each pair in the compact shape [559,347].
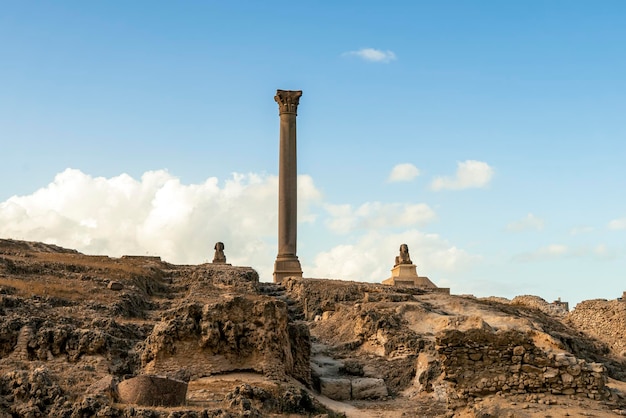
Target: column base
[286,267]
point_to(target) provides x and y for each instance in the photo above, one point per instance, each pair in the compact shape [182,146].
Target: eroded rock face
[239,333]
[67,339]
[31,393]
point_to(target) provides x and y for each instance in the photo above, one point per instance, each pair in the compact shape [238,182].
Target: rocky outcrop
[31,393]
[254,401]
[317,296]
[239,333]
[58,311]
[66,341]
[536,302]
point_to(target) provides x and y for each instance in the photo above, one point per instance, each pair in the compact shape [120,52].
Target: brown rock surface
[246,348]
[66,339]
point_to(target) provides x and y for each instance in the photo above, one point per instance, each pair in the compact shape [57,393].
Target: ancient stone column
[287,263]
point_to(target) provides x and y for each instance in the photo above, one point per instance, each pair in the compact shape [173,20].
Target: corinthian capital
[288,101]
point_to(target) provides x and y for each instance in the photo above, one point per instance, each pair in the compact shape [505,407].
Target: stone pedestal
[287,263]
[405,275]
[286,267]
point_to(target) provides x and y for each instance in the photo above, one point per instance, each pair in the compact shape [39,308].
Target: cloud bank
[371,257]
[560,251]
[469,174]
[403,172]
[377,216]
[372,55]
[158,215]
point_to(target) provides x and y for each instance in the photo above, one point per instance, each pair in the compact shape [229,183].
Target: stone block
[597,368]
[475,356]
[574,370]
[530,369]
[106,386]
[551,373]
[368,388]
[565,359]
[335,388]
[113,285]
[149,390]
[567,378]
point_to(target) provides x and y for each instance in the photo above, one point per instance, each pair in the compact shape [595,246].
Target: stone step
[273,293]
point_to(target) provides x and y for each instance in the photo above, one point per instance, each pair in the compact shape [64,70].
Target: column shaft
[287,187]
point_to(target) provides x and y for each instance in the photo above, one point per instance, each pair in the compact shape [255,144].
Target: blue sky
[150,127]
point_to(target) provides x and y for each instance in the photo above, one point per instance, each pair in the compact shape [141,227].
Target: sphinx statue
[404,257]
[219,257]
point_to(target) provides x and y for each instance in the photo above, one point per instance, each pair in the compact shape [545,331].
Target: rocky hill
[84,336]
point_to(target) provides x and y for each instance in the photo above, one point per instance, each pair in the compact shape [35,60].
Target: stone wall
[604,320]
[478,362]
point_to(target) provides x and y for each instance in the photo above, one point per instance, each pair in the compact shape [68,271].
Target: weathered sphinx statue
[219,256]
[404,257]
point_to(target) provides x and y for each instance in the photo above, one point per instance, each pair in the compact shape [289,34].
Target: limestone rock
[338,389]
[237,333]
[150,390]
[368,388]
[106,386]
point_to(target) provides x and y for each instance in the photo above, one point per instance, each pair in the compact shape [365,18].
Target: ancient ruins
[136,336]
[210,340]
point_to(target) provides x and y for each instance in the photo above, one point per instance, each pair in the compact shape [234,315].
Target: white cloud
[403,172]
[550,252]
[469,174]
[616,224]
[529,222]
[559,251]
[157,215]
[578,230]
[372,256]
[376,215]
[601,250]
[373,55]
